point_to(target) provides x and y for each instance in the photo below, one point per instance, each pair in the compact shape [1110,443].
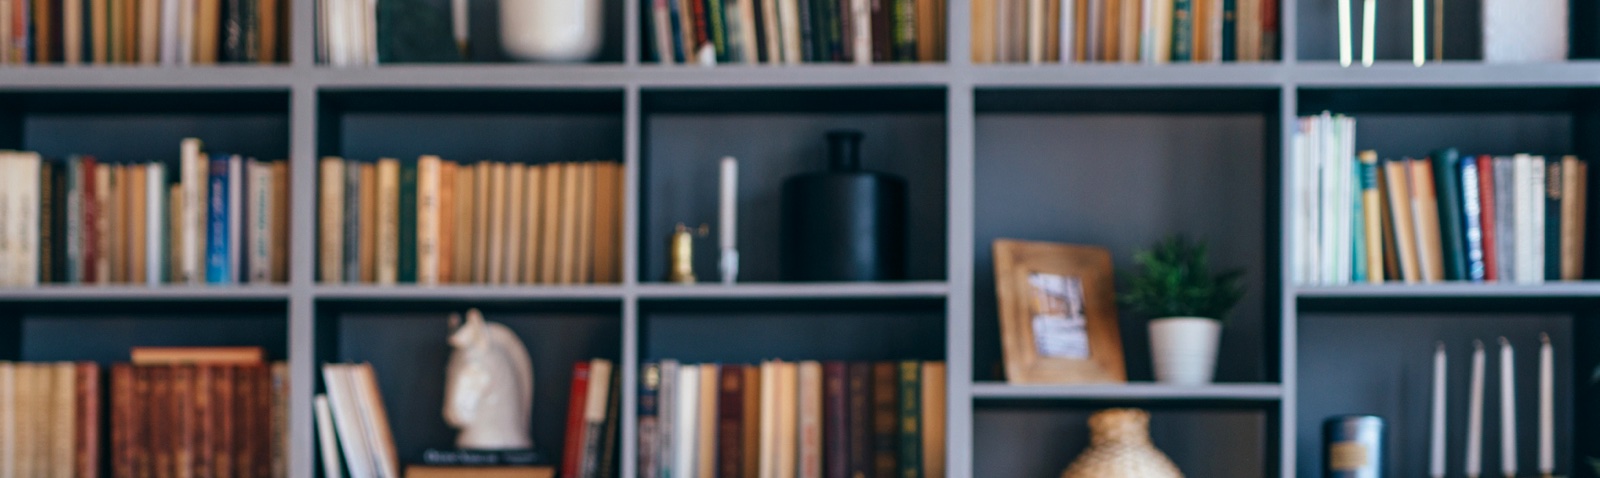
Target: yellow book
[983,32]
[137,202]
[174,231]
[706,442]
[446,224]
[607,223]
[428,173]
[497,223]
[208,16]
[567,259]
[551,228]
[331,234]
[531,215]
[466,197]
[516,194]
[369,223]
[1372,217]
[584,253]
[934,405]
[482,188]
[387,254]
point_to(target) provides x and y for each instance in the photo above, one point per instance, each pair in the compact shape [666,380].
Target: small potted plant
[1175,286]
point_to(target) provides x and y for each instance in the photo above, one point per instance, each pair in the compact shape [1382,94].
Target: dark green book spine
[822,32]
[408,221]
[250,31]
[1230,22]
[352,221]
[1552,218]
[1183,30]
[905,30]
[719,28]
[910,419]
[835,21]
[1452,234]
[808,32]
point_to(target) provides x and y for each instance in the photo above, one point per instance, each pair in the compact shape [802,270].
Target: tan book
[63,419]
[376,419]
[1200,30]
[387,255]
[498,197]
[1052,31]
[1372,222]
[331,230]
[369,222]
[72,33]
[788,414]
[550,230]
[428,219]
[27,394]
[130,32]
[607,239]
[114,26]
[8,415]
[927,36]
[588,183]
[280,221]
[202,355]
[482,206]
[267,27]
[466,197]
[208,17]
[1397,178]
[1132,29]
[1080,31]
[423,471]
[768,426]
[447,222]
[983,31]
[149,31]
[138,202]
[706,441]
[193,170]
[531,217]
[567,258]
[102,199]
[98,21]
[809,419]
[1571,224]
[1425,218]
[174,230]
[934,405]
[1248,31]
[516,201]
[594,410]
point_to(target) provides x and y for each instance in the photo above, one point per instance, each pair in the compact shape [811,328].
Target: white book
[347,421]
[186,32]
[8,420]
[789,16]
[369,33]
[1068,33]
[1536,201]
[331,467]
[236,231]
[156,225]
[428,172]
[661,18]
[8,226]
[1036,27]
[769,421]
[1329,185]
[1301,241]
[748,44]
[258,233]
[1348,219]
[1524,31]
[774,29]
[375,420]
[810,418]
[1147,43]
[26,258]
[686,421]
[1522,171]
[74,211]
[667,401]
[1505,228]
[193,166]
[861,22]
[169,32]
[1091,39]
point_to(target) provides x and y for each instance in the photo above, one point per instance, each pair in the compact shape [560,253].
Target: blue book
[1365,178]
[676,13]
[649,419]
[219,268]
[1230,21]
[1471,211]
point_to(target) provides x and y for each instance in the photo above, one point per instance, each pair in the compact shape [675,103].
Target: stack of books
[49,419]
[434,221]
[1447,217]
[354,409]
[199,412]
[795,31]
[218,219]
[1146,31]
[166,32]
[806,419]
[591,437]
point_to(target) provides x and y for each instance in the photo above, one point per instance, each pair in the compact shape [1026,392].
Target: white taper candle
[1508,410]
[458,23]
[729,201]
[1369,24]
[1436,444]
[1547,433]
[1474,464]
[1418,27]
[1344,33]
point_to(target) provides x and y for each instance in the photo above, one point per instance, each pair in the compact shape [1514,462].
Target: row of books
[369,32]
[1447,217]
[172,412]
[166,32]
[591,435]
[1147,31]
[434,221]
[218,219]
[353,410]
[796,31]
[792,419]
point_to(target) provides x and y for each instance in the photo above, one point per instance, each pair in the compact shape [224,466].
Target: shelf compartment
[1316,24]
[1132,392]
[1057,165]
[409,351]
[776,134]
[1029,440]
[141,125]
[797,329]
[58,332]
[806,291]
[1382,364]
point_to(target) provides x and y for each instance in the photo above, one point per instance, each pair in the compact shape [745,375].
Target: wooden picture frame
[1058,313]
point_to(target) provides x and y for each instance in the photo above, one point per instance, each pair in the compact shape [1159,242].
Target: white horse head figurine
[489,386]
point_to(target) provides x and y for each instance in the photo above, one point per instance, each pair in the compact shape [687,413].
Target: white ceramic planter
[1184,349]
[550,30]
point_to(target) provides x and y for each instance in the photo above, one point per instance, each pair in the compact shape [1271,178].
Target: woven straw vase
[1119,447]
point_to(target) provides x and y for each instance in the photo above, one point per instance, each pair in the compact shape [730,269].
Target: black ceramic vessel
[844,224]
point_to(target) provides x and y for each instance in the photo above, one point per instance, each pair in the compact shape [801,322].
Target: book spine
[1182,30]
[810,419]
[885,418]
[352,222]
[46,234]
[1505,217]
[259,217]
[156,225]
[1371,217]
[807,28]
[861,423]
[572,456]
[1486,217]
[835,420]
[910,428]
[649,421]
[905,30]
[1536,231]
[387,255]
[217,232]
[1230,28]
[204,417]
[407,230]
[428,232]
[1553,190]
[666,454]
[700,34]
[224,406]
[331,232]
[1572,218]
[73,218]
[123,421]
[717,24]
[1524,199]
[751,438]
[87,435]
[1473,219]
[181,408]
[935,405]
[685,422]
[705,455]
[1452,235]
[882,30]
[1358,224]
[194,211]
[730,423]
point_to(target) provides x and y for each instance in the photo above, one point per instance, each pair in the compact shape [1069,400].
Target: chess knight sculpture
[488,386]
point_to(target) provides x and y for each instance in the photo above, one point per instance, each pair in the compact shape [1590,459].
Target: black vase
[844,224]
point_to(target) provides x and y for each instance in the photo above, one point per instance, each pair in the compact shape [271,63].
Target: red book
[835,420]
[730,422]
[1486,216]
[700,35]
[122,421]
[89,224]
[572,454]
[88,415]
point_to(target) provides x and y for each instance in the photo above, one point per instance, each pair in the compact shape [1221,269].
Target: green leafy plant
[1174,279]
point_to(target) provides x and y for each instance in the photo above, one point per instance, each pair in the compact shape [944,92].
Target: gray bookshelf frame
[305,81]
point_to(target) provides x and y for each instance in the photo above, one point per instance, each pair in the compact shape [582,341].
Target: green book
[1182,30]
[910,419]
[415,31]
[1452,234]
[1552,218]
[719,28]
[408,221]
[905,30]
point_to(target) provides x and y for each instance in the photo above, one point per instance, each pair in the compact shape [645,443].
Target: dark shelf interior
[1044,440]
[145,126]
[692,332]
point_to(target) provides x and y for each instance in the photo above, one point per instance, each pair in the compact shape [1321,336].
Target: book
[934,406]
[750,438]
[219,233]
[406,223]
[331,465]
[1486,217]
[386,242]
[1525,214]
[885,418]
[1371,217]
[372,192]
[1553,198]
[594,415]
[1472,216]
[515,233]
[730,423]
[550,230]
[1573,208]
[583,267]
[1425,218]
[352,222]
[1397,178]
[686,422]
[706,429]
[1452,232]
[429,471]
[498,200]
[862,453]
[567,263]
[787,424]
[910,419]
[572,451]
[810,419]
[666,453]
[835,420]
[1505,218]
[205,355]
[648,420]
[428,216]
[532,217]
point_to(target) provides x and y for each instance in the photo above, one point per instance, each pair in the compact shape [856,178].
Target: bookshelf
[1048,152]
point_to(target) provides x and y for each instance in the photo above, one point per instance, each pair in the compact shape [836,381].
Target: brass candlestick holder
[681,269]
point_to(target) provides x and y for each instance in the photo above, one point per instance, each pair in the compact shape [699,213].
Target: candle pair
[1508,412]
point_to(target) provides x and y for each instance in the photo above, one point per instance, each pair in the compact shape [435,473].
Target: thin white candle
[729,201]
[458,17]
[1369,20]
[1508,410]
[1436,448]
[1344,33]
[1475,414]
[1547,434]
[1418,26]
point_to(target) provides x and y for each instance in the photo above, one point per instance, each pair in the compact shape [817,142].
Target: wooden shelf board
[1130,391]
[817,291]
